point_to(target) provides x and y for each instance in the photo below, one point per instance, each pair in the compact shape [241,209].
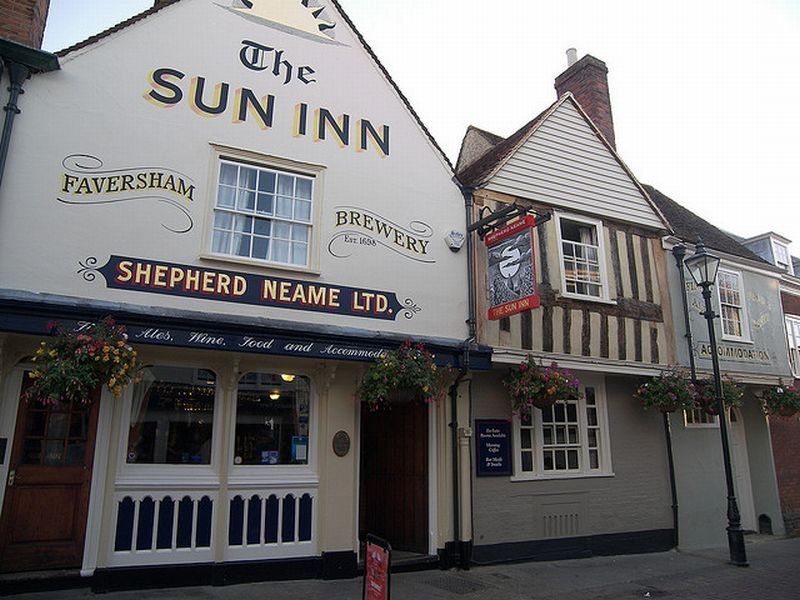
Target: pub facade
[243,186]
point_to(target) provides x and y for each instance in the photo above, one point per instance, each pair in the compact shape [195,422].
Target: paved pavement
[774,573]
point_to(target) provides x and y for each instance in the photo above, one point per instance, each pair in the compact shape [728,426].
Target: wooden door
[393,502]
[43,522]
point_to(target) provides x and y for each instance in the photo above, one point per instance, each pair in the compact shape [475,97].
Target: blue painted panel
[305,518]
[144,531]
[166,514]
[271,521]
[185,518]
[287,526]
[123,538]
[204,509]
[254,519]
[235,521]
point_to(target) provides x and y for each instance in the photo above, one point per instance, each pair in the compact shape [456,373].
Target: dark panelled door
[393,501]
[43,522]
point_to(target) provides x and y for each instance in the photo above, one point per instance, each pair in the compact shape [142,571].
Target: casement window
[272,420]
[264,213]
[582,257]
[793,338]
[782,259]
[732,308]
[697,417]
[568,439]
[172,416]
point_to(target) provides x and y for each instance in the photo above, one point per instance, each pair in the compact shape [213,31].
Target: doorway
[741,469]
[43,520]
[393,495]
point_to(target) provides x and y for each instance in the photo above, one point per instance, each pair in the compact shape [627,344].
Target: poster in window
[511,277]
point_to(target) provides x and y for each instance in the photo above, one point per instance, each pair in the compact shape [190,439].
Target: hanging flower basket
[404,375]
[781,400]
[732,394]
[667,392]
[532,384]
[74,364]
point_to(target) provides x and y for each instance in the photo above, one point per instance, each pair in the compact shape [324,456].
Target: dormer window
[782,259]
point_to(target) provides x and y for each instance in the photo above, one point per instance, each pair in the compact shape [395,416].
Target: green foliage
[532,384]
[75,363]
[408,371]
[668,391]
[781,399]
[732,394]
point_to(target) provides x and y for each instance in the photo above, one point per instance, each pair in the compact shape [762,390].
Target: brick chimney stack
[23,21]
[587,79]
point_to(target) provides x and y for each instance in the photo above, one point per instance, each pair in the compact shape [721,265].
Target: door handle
[12,476]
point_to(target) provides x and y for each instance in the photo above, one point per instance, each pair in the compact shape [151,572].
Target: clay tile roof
[476,172]
[99,36]
[691,228]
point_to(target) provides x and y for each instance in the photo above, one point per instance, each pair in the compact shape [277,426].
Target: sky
[703,93]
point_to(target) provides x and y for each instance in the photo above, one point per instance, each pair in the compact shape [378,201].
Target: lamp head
[702,266]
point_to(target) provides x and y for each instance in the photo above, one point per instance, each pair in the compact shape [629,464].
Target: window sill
[739,340]
[517,478]
[586,298]
[251,262]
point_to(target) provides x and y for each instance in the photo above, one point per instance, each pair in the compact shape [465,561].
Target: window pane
[262,227]
[299,254]
[227,174]
[226,196]
[241,244]
[266,181]
[284,207]
[280,251]
[303,188]
[281,230]
[247,178]
[594,459]
[547,436]
[260,247]
[222,242]
[285,185]
[525,438]
[527,461]
[272,421]
[265,203]
[302,210]
[246,201]
[561,459]
[572,459]
[548,460]
[223,219]
[172,416]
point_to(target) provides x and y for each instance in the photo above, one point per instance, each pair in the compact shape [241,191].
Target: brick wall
[786,450]
[587,79]
[23,21]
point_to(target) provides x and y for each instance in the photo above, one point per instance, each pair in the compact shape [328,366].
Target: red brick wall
[587,79]
[23,21]
[786,450]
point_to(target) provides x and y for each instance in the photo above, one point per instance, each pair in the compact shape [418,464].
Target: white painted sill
[586,298]
[250,262]
[520,478]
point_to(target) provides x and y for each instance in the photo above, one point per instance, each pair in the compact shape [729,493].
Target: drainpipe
[17,74]
[679,252]
[460,550]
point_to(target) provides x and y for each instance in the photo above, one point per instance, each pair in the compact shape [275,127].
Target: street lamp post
[703,268]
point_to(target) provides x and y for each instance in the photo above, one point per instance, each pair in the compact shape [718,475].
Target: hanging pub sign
[511,281]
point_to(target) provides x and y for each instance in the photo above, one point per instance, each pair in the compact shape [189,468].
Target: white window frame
[708,422]
[601,250]
[788,265]
[262,161]
[159,475]
[745,337]
[240,475]
[792,323]
[604,446]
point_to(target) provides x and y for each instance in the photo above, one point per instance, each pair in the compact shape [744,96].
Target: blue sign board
[493,444]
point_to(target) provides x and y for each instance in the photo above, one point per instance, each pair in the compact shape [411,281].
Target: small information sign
[493,444]
[377,565]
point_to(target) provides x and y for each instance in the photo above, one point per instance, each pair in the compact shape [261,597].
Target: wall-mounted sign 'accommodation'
[511,283]
[735,353]
[155,277]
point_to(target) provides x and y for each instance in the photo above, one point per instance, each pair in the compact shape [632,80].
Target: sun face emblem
[291,16]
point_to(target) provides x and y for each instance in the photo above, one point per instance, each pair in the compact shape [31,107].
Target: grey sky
[703,92]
